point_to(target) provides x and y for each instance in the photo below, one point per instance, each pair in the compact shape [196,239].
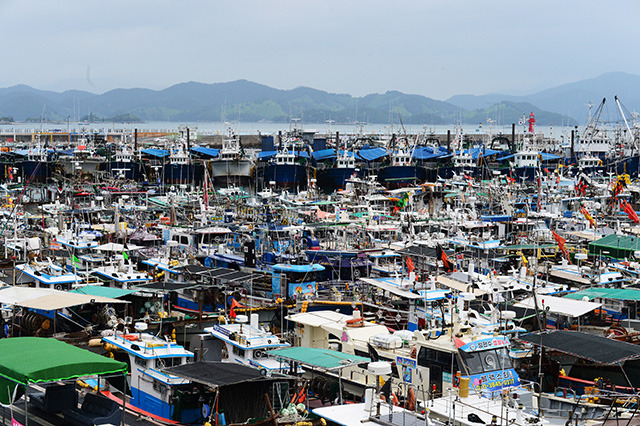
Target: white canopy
[48,299]
[115,247]
[560,305]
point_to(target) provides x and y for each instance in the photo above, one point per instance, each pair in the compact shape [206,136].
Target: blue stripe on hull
[160,408]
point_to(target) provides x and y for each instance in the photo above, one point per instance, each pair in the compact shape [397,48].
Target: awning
[372,154]
[584,345]
[25,360]
[102,291]
[215,374]
[48,299]
[154,152]
[207,152]
[560,305]
[460,286]
[316,357]
[606,293]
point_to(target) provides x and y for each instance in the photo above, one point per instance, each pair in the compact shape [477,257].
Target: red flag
[629,211]
[410,266]
[234,304]
[442,255]
[586,214]
[561,244]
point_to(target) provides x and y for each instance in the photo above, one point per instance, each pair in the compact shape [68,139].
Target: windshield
[485,361]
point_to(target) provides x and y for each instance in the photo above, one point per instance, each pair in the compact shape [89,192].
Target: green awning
[606,293]
[25,360]
[102,291]
[323,358]
[615,245]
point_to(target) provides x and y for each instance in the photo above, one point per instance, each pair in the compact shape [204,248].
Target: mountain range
[244,100]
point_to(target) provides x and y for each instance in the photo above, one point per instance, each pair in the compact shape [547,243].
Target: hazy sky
[432,48]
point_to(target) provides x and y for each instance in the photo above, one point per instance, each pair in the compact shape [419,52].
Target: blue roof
[325,154]
[160,153]
[266,155]
[548,157]
[426,152]
[372,153]
[209,152]
[475,152]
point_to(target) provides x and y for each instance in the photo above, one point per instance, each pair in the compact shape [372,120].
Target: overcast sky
[435,48]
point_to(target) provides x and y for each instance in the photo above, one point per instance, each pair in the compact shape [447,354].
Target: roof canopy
[25,360]
[48,299]
[323,358]
[560,305]
[102,291]
[372,154]
[207,152]
[217,374]
[584,345]
[606,293]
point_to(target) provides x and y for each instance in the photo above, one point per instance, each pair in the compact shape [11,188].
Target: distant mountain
[244,100]
[571,99]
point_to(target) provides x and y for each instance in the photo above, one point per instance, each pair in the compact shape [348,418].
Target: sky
[435,48]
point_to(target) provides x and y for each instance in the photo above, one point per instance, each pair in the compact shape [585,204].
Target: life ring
[394,399]
[411,400]
[130,337]
[356,273]
[355,322]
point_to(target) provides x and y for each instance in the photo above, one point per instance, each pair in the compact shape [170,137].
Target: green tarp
[27,360]
[606,293]
[102,291]
[615,245]
[323,358]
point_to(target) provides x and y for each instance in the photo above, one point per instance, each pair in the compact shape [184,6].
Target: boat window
[184,240]
[141,362]
[491,360]
[238,351]
[168,362]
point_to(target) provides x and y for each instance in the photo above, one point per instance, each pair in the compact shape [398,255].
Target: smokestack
[449,141]
[337,142]
[188,141]
[513,137]
[135,141]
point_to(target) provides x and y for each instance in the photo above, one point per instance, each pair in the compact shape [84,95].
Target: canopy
[116,247]
[160,153]
[208,152]
[215,374]
[102,291]
[606,293]
[48,299]
[560,305]
[372,153]
[584,345]
[25,360]
[316,357]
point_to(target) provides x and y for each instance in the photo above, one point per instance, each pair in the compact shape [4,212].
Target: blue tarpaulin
[372,154]
[266,155]
[325,154]
[427,152]
[209,152]
[155,152]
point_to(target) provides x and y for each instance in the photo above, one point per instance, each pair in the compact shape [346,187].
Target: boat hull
[286,175]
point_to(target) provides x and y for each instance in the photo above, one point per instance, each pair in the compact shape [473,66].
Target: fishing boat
[153,392]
